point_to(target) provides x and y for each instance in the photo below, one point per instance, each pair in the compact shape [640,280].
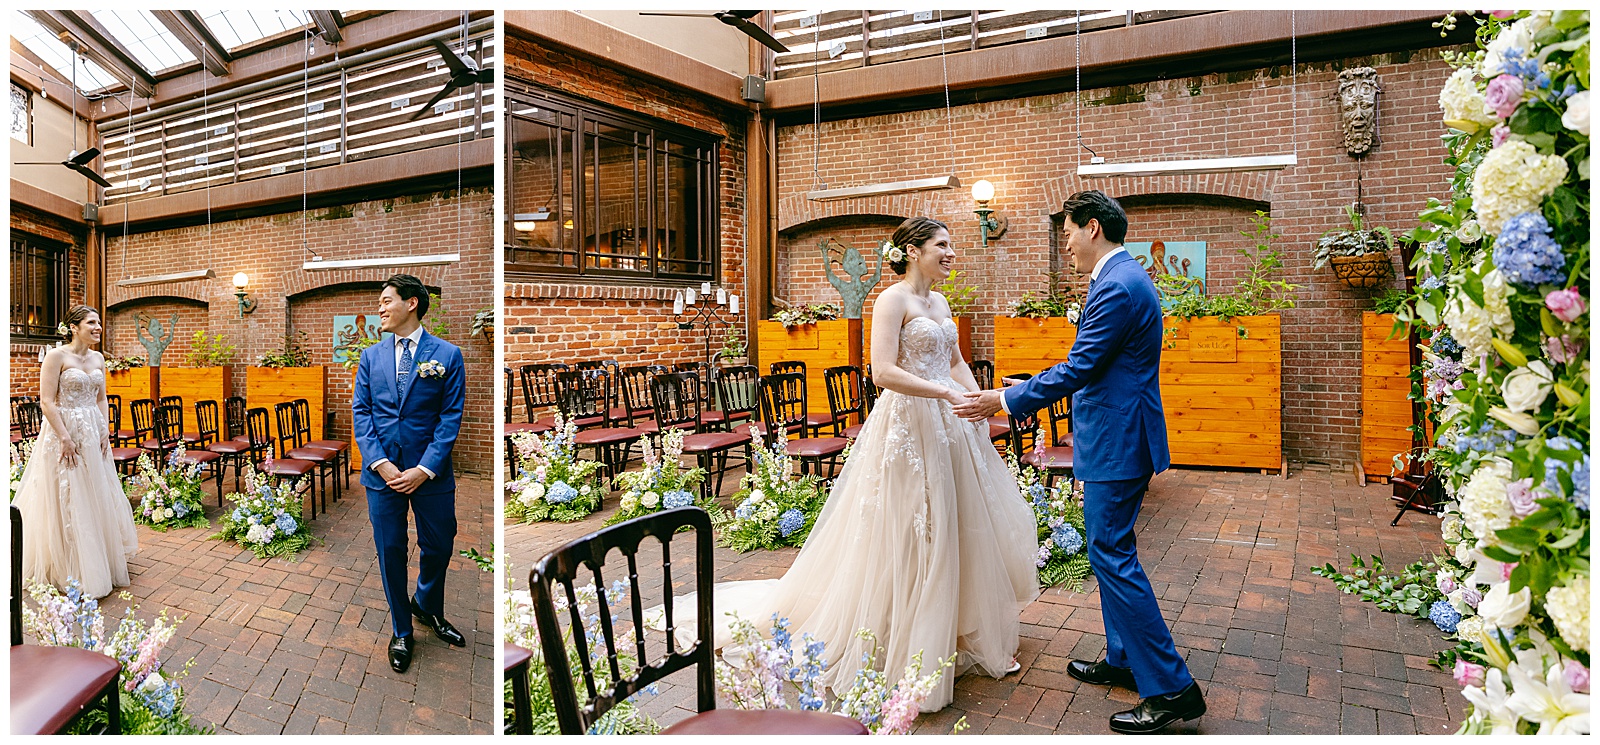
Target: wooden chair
[171,401]
[169,437]
[676,397]
[869,389]
[1055,458]
[558,574]
[713,416]
[232,445]
[302,410]
[143,413]
[983,371]
[114,403]
[263,448]
[739,391]
[611,368]
[1000,424]
[1024,430]
[815,421]
[234,421]
[635,384]
[28,418]
[206,425]
[845,399]
[512,426]
[783,412]
[126,459]
[585,395]
[291,445]
[53,685]
[516,672]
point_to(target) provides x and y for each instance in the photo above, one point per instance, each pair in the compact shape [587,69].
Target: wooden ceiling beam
[196,37]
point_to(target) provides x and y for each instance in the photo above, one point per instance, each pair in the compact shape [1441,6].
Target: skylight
[150,42]
[236,28]
[91,77]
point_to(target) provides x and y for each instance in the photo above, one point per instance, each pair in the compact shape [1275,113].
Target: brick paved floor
[1276,649]
[300,647]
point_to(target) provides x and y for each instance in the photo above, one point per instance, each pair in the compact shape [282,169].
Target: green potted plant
[962,298]
[287,374]
[208,377]
[1359,254]
[483,323]
[734,350]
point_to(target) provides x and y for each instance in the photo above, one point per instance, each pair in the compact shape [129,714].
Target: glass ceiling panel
[236,28]
[150,42]
[91,77]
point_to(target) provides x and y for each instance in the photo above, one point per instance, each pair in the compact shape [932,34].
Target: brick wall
[25,355]
[269,249]
[1028,148]
[571,321]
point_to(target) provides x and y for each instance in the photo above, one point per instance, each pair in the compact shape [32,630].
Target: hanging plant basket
[1369,270]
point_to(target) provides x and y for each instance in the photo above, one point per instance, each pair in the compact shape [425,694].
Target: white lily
[1550,702]
[1490,702]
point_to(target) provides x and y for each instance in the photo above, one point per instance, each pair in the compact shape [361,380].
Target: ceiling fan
[78,162]
[463,72]
[739,19]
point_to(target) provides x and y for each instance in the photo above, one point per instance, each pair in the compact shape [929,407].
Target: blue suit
[417,431]
[1119,438]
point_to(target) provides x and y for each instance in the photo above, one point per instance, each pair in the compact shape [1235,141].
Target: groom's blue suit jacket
[1118,428]
[422,429]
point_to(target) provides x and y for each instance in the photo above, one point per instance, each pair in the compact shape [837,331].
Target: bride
[76,523]
[925,538]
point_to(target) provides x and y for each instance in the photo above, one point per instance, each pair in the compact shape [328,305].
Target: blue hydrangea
[1067,538]
[1037,492]
[162,700]
[1577,472]
[180,509]
[1444,616]
[1580,484]
[744,511]
[285,524]
[676,499]
[1432,283]
[1446,345]
[560,493]
[1526,254]
[790,521]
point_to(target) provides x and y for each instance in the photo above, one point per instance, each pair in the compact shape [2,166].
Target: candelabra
[705,313]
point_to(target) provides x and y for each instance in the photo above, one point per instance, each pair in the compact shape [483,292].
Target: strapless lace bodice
[925,346]
[79,389]
[78,403]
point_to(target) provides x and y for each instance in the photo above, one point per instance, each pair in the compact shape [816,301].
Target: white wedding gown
[75,521]
[925,539]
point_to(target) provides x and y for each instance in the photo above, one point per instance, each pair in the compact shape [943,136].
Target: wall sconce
[990,225]
[246,305]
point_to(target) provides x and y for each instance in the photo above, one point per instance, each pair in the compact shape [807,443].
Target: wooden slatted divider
[133,384]
[196,384]
[1029,345]
[265,386]
[1385,391]
[821,345]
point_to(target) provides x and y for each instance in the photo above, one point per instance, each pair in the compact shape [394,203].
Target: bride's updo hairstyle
[75,316]
[913,232]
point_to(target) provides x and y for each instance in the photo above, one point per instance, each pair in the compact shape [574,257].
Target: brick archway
[1250,186]
[797,211]
[200,291]
[298,281]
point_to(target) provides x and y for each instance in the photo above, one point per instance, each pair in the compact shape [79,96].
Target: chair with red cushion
[739,393]
[614,404]
[676,397]
[232,444]
[28,418]
[291,445]
[302,423]
[126,459]
[558,574]
[540,392]
[513,427]
[1055,457]
[999,425]
[816,421]
[846,400]
[143,413]
[263,448]
[51,686]
[206,426]
[169,437]
[585,395]
[783,412]
[114,402]
[516,673]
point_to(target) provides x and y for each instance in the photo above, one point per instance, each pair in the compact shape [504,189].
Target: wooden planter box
[964,332]
[821,345]
[132,385]
[198,384]
[1385,385]
[1222,393]
[266,386]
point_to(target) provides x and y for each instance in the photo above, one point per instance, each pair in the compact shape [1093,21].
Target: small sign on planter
[1214,345]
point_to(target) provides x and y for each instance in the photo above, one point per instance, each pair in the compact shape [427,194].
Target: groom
[1120,440]
[407,411]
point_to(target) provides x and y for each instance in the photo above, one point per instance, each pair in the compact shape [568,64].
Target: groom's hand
[979,406]
[387,471]
[408,481]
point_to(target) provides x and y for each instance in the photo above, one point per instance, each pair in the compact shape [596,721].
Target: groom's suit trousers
[1136,635]
[436,533]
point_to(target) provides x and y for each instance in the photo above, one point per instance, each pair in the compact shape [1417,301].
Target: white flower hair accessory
[61,328]
[430,369]
[891,252]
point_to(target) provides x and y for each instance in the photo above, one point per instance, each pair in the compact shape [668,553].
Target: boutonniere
[430,369]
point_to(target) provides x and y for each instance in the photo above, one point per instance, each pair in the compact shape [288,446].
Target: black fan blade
[37,163]
[755,32]
[84,157]
[445,91]
[486,76]
[452,60]
[679,15]
[745,14]
[89,173]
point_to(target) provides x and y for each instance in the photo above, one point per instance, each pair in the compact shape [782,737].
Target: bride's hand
[69,453]
[955,397]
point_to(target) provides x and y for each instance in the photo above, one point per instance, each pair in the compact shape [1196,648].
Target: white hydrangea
[1518,36]
[1470,325]
[1450,529]
[1512,179]
[1496,300]
[1469,628]
[532,494]
[1569,608]
[1484,506]
[1462,103]
[258,534]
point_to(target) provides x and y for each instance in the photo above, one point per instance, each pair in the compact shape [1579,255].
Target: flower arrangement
[114,363]
[1505,263]
[891,252]
[430,369]
[172,494]
[775,507]
[266,517]
[20,452]
[552,483]
[756,672]
[520,629]
[152,703]
[1059,302]
[806,315]
[1058,514]
[662,484]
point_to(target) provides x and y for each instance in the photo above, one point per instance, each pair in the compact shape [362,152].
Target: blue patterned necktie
[404,375]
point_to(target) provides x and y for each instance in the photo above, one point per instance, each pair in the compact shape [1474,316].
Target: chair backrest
[205,418]
[114,402]
[510,395]
[707,377]
[258,429]
[29,415]
[676,399]
[783,403]
[16,576]
[302,421]
[144,416]
[558,573]
[171,401]
[288,429]
[983,370]
[582,394]
[1060,414]
[844,391]
[739,390]
[114,416]
[1023,433]
[610,367]
[234,409]
[788,366]
[869,389]
[636,392]
[539,389]
[169,425]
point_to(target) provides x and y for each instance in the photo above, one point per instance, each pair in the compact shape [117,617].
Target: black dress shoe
[400,648]
[1156,712]
[1101,674]
[441,628]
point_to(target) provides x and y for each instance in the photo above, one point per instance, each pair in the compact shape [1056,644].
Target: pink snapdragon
[1468,674]
[1500,134]
[1520,493]
[1501,14]
[899,712]
[1566,305]
[1503,95]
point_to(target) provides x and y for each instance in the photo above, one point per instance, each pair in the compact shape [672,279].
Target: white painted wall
[705,39]
[52,141]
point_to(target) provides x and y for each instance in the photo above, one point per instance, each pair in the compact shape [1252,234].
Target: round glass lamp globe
[240,280]
[983,191]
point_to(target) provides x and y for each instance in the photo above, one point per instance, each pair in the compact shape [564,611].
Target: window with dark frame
[39,290]
[21,114]
[607,195]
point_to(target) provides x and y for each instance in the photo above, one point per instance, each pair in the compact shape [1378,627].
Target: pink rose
[1500,133]
[1577,676]
[1468,674]
[1503,95]
[1471,597]
[1521,495]
[1566,305]
[1501,14]
[1563,350]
